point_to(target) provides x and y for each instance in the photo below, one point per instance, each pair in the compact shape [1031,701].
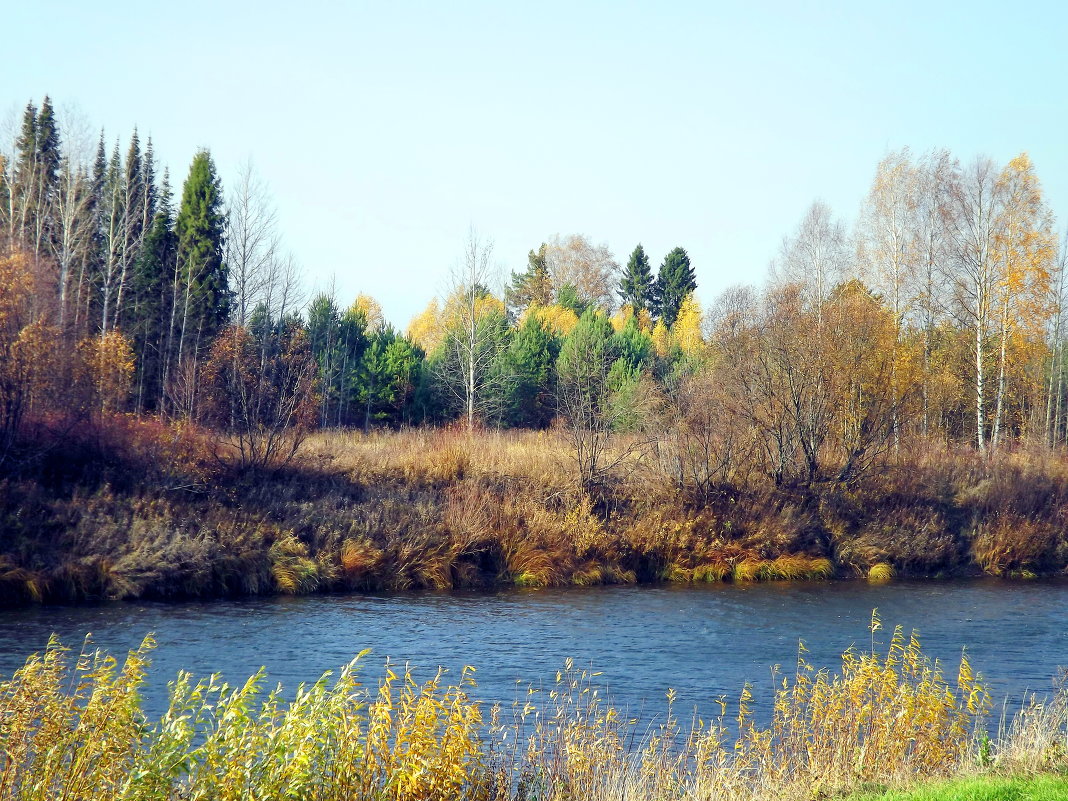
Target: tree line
[939,313]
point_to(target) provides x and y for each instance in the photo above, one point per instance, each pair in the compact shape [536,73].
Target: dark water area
[702,641]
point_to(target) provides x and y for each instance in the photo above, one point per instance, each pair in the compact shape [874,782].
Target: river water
[701,641]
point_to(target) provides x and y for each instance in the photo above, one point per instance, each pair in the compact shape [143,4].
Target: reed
[73,728]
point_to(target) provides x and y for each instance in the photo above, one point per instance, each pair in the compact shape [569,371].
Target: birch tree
[974,207]
[252,241]
[1055,394]
[933,257]
[1024,250]
[814,257]
[473,338]
[890,247]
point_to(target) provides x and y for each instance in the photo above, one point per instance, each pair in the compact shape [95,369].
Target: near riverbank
[138,509]
[888,718]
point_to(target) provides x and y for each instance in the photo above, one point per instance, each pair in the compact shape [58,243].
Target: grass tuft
[880,572]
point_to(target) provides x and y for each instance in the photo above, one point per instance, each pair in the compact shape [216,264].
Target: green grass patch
[1023,788]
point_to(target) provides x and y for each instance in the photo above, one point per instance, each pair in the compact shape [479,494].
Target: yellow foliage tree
[620,319]
[27,345]
[429,328]
[556,318]
[686,333]
[1024,249]
[425,328]
[661,338]
[372,312]
[107,365]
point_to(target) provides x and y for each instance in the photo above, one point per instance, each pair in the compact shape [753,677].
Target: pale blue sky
[386,129]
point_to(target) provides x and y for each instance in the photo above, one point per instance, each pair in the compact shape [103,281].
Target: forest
[178,417]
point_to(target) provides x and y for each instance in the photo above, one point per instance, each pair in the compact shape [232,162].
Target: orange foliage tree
[106,364]
[28,354]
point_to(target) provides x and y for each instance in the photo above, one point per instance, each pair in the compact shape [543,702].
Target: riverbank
[138,509]
[889,718]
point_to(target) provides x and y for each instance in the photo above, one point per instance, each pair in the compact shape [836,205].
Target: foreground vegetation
[890,716]
[1028,788]
[139,509]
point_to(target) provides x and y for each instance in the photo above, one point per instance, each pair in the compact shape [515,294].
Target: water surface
[702,641]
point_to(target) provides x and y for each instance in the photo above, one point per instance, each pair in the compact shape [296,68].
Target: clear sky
[386,129]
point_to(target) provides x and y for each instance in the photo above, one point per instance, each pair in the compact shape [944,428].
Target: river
[702,641]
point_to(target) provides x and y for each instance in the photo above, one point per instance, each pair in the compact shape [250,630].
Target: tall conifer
[674,282]
[205,293]
[637,285]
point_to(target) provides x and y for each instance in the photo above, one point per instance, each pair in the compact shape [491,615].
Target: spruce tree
[324,329]
[24,189]
[205,293]
[153,296]
[48,146]
[44,179]
[531,357]
[150,194]
[134,197]
[388,370]
[636,286]
[352,341]
[26,153]
[534,285]
[674,282]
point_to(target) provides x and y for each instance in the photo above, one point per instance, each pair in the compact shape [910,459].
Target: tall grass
[74,728]
[139,509]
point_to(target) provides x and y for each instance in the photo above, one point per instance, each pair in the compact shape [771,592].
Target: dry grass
[430,508]
[890,715]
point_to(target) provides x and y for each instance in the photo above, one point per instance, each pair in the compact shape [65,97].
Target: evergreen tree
[569,298]
[134,198]
[389,370]
[531,359]
[635,347]
[132,229]
[48,148]
[674,282]
[584,393]
[152,289]
[352,343]
[26,159]
[637,285]
[150,196]
[205,294]
[36,178]
[534,285]
[324,328]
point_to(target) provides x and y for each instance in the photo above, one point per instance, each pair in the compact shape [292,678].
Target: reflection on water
[702,641]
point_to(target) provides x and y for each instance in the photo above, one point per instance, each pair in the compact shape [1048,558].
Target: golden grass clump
[749,570]
[711,573]
[1013,545]
[880,572]
[294,573]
